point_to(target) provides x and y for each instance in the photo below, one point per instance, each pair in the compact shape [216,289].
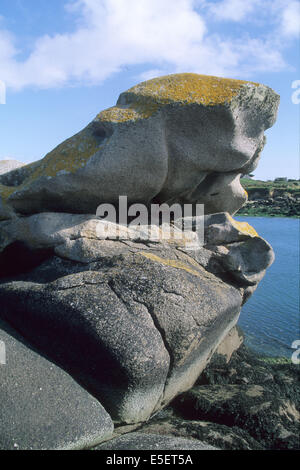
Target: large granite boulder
[134,320]
[134,311]
[136,327]
[183,138]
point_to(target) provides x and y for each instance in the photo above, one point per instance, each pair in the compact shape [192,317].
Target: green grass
[259,191]
[288,186]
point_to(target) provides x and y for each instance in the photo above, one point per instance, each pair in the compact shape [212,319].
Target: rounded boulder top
[190,88]
[182,138]
[144,99]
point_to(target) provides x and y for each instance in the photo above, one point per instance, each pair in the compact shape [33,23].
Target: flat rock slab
[42,407]
[141,441]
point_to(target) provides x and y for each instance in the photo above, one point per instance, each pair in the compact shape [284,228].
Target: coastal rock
[134,313]
[136,327]
[233,250]
[218,435]
[249,403]
[252,408]
[42,407]
[182,138]
[80,237]
[143,441]
[230,248]
[149,311]
[252,397]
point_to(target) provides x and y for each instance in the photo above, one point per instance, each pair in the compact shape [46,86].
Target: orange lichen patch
[116,114]
[244,227]
[141,108]
[69,156]
[190,88]
[143,100]
[170,262]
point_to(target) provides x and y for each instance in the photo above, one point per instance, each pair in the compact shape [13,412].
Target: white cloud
[232,10]
[166,36]
[291,19]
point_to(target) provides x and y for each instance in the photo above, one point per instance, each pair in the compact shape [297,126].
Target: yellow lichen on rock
[68,156]
[141,108]
[118,114]
[170,262]
[244,227]
[190,88]
[144,99]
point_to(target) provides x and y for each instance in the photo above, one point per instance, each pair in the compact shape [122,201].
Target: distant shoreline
[279,198]
[241,213]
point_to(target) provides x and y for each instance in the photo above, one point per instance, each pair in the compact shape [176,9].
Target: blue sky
[63,61]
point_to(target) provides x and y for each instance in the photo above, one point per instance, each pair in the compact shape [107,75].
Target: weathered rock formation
[180,138]
[135,321]
[133,313]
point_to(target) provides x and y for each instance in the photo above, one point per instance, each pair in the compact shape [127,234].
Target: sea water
[270,318]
